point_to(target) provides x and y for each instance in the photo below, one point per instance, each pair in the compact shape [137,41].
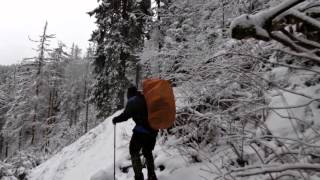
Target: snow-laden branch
[302,54]
[258,25]
[264,169]
[265,60]
[305,18]
[292,27]
[295,106]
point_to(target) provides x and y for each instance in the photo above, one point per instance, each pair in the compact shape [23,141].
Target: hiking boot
[150,166]
[152,177]
[137,167]
[139,177]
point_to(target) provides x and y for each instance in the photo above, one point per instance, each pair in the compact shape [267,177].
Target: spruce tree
[120,35]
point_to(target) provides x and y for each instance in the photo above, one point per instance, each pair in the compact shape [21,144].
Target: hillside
[91,157]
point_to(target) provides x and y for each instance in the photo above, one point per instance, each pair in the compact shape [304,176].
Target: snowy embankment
[91,158]
[293,114]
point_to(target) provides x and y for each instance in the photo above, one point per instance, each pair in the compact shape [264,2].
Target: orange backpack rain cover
[160,103]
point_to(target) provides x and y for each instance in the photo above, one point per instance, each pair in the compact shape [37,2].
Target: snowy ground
[91,158]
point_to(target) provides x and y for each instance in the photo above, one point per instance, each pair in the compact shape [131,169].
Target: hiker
[144,137]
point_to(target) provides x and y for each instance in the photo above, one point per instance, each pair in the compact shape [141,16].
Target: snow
[9,178]
[279,73]
[83,158]
[91,158]
[102,175]
[303,116]
[251,21]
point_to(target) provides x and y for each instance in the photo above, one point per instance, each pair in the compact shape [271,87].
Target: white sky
[22,18]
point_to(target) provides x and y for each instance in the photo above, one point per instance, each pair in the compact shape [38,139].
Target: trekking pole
[114,153]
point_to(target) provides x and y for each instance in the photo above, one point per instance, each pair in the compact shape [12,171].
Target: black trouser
[146,143]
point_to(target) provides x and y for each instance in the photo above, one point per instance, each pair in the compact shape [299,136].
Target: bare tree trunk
[7,149]
[122,76]
[85,88]
[33,125]
[87,117]
[71,118]
[76,109]
[2,145]
[50,104]
[40,64]
[20,140]
[14,80]
[159,27]
[86,94]
[223,19]
[138,75]
[49,117]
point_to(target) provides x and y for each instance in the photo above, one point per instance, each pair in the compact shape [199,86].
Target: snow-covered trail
[83,158]
[91,158]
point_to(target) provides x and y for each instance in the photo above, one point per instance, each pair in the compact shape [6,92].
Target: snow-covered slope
[91,158]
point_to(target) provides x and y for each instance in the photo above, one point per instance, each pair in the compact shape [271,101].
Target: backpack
[160,103]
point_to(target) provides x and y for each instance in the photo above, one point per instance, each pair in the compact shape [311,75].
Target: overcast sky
[22,18]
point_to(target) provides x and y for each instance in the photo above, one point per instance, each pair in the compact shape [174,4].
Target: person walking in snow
[144,137]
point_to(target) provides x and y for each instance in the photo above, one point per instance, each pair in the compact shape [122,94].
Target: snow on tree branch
[251,171]
[303,17]
[296,28]
[257,26]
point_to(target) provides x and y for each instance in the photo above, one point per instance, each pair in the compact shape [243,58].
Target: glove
[114,120]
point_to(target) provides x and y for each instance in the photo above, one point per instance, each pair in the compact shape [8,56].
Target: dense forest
[245,75]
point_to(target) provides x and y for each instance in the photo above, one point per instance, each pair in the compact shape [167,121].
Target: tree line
[45,100]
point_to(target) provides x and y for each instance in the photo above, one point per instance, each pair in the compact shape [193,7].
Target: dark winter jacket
[136,109]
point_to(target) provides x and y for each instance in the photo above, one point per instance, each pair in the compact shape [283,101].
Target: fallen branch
[249,171]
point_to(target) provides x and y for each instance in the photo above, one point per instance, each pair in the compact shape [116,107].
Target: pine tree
[120,34]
